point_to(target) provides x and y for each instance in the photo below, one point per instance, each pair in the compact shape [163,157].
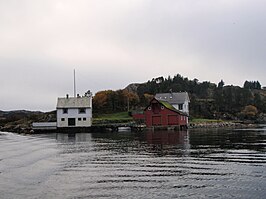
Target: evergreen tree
[252,85]
[221,84]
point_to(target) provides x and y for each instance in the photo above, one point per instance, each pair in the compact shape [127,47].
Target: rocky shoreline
[26,128]
[221,125]
[16,129]
[20,121]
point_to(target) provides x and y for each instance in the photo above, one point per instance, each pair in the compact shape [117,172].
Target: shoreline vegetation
[228,105]
[24,125]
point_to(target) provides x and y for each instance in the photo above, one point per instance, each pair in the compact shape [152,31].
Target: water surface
[214,163]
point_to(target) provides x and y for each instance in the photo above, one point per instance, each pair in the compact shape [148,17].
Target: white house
[74,111]
[179,101]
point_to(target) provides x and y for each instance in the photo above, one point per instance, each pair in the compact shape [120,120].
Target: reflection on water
[168,138]
[73,137]
[164,164]
[167,142]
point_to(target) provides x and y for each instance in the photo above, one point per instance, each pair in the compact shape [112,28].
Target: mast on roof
[74,83]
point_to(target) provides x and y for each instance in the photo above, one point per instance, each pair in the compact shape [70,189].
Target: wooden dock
[111,127]
[116,126]
[104,127]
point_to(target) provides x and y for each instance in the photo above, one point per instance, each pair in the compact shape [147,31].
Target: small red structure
[163,114]
[139,117]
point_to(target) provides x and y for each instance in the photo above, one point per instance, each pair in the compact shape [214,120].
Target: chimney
[88,94]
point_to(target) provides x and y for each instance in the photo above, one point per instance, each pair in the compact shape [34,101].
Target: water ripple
[196,164]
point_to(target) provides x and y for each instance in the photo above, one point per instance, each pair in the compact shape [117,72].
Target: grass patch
[121,117]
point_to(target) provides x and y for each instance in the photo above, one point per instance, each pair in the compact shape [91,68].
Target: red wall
[164,117]
[138,116]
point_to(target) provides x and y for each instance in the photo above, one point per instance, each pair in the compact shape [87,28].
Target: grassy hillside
[119,117]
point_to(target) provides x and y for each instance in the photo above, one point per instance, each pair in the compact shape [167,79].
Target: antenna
[74,83]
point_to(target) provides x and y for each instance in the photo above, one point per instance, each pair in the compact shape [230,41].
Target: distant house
[162,113]
[180,101]
[74,111]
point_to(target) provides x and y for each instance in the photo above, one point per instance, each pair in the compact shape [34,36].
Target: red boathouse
[160,113]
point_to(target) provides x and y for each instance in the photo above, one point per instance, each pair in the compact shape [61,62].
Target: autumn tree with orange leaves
[114,101]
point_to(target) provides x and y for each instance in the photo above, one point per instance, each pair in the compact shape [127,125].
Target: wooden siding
[158,115]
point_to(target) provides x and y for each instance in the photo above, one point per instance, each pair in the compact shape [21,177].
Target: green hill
[209,100]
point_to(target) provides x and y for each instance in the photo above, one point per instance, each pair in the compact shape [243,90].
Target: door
[71,122]
[172,119]
[156,121]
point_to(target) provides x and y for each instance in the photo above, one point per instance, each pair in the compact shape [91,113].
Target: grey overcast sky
[112,43]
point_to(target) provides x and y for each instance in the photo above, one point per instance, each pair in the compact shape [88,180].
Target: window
[65,110]
[84,119]
[79,119]
[82,110]
[62,119]
[180,106]
[162,107]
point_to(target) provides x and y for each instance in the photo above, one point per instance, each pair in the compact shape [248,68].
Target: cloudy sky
[112,43]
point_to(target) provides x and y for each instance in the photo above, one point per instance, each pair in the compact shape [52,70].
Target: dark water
[195,164]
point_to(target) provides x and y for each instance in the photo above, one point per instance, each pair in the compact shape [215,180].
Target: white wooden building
[74,111]
[180,101]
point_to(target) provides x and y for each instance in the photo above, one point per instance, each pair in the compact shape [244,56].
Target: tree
[130,99]
[258,85]
[249,112]
[221,84]
[252,85]
[100,100]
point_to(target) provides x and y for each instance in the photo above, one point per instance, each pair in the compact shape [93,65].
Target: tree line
[206,99]
[114,101]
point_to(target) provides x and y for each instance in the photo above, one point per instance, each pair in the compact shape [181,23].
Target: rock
[219,125]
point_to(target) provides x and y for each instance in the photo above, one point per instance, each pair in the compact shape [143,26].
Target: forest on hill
[207,99]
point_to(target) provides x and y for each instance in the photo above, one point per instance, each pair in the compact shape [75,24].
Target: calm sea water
[195,164]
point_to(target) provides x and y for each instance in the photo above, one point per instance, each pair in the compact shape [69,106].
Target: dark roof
[173,98]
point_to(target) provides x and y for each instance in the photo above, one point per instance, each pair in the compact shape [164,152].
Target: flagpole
[74,83]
